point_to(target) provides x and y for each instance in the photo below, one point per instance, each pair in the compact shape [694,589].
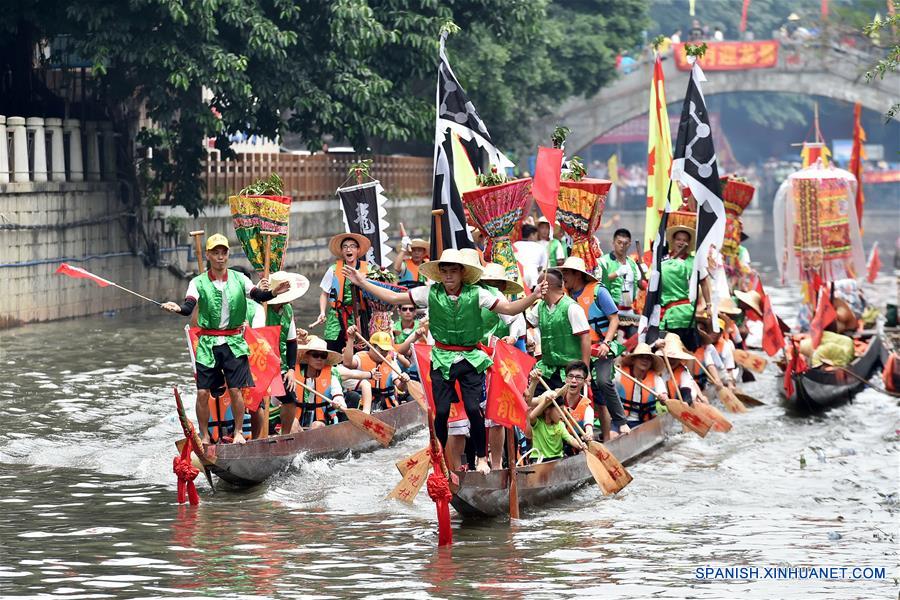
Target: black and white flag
[364,213]
[648,327]
[694,166]
[455,114]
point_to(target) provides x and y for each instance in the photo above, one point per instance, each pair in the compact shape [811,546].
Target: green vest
[284,320]
[609,264]
[559,344]
[209,313]
[401,336]
[456,324]
[552,249]
[491,321]
[332,318]
[676,281]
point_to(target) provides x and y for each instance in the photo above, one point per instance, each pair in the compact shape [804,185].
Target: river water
[88,504]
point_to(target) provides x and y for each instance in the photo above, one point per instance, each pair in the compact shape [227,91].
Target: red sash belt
[219,332]
[623,306]
[671,304]
[451,348]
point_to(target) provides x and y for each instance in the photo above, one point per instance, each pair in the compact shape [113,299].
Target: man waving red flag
[508,380]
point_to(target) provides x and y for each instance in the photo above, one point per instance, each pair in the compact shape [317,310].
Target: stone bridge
[828,70]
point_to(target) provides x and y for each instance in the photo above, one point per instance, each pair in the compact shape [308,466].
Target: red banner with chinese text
[732,56]
[508,379]
[422,355]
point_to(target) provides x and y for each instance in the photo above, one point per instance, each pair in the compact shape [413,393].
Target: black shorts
[229,369]
[288,398]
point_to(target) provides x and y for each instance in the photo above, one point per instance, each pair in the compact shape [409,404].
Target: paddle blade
[621,476]
[688,417]
[417,392]
[754,362]
[601,475]
[720,423]
[410,462]
[748,399]
[732,404]
[375,427]
[412,482]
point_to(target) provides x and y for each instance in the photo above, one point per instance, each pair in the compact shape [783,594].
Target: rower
[414,254]
[317,368]
[546,430]
[603,320]
[220,295]
[640,405]
[281,313]
[377,389]
[338,305]
[580,406]
[678,358]
[717,354]
[620,275]
[454,315]
[677,314]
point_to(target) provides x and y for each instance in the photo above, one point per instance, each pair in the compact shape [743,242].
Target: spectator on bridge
[676,37]
[718,35]
[696,33]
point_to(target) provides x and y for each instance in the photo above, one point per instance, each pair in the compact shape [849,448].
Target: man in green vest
[339,303]
[677,309]
[454,306]
[621,276]
[220,296]
[564,329]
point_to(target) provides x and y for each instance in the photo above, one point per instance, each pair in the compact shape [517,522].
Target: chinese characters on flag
[508,379]
[422,356]
[732,56]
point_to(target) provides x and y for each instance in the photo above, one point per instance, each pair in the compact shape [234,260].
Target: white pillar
[109,150]
[4,158]
[93,150]
[38,147]
[76,164]
[20,148]
[57,152]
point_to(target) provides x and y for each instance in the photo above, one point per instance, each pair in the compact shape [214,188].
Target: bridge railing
[315,176]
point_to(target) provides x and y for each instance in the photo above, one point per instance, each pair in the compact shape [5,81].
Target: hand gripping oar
[679,409]
[725,395]
[608,472]
[375,427]
[414,388]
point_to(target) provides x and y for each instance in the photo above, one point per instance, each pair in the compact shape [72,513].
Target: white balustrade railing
[26,154]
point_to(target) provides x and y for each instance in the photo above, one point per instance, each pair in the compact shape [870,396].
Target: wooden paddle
[413,479]
[511,466]
[375,427]
[439,232]
[596,451]
[405,464]
[749,360]
[414,388]
[198,245]
[727,397]
[679,409]
[748,399]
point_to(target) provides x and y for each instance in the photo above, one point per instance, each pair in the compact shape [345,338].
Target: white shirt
[533,257]
[219,284]
[327,280]
[577,318]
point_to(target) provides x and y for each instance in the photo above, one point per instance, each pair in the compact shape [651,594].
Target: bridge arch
[831,71]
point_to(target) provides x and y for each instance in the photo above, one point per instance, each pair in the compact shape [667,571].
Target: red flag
[79,273]
[825,315]
[824,7]
[857,154]
[522,279]
[422,356]
[874,264]
[508,379]
[773,338]
[265,362]
[744,10]
[795,365]
[545,186]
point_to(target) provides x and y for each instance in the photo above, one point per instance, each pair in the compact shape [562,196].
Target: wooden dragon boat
[822,388]
[479,495]
[246,465]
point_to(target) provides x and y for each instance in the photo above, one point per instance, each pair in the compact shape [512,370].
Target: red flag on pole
[545,186]
[857,154]
[422,356]
[508,379]
[825,315]
[773,338]
[79,273]
[874,264]
[744,10]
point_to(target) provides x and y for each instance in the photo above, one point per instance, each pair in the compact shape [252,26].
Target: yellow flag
[612,167]
[659,157]
[463,172]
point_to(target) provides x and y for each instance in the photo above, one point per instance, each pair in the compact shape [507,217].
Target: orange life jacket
[337,287]
[380,385]
[221,419]
[645,408]
[580,408]
[584,301]
[309,401]
[670,384]
[413,269]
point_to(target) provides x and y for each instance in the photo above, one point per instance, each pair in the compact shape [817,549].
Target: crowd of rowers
[573,321]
